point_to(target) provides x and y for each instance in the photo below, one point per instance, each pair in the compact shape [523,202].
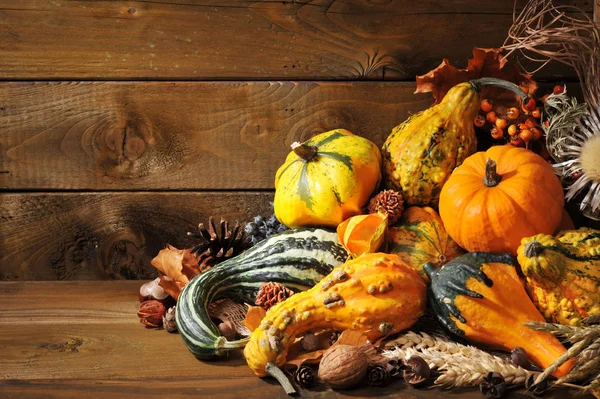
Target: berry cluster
[519,126]
[263,227]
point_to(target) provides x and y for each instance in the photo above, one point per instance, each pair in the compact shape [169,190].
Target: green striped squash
[297,259]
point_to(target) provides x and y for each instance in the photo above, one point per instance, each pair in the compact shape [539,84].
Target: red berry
[526,135]
[529,104]
[491,117]
[479,121]
[497,132]
[513,113]
[558,89]
[536,113]
[501,123]
[530,123]
[486,105]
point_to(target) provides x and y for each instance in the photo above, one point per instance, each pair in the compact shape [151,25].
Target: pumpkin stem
[492,178]
[533,249]
[304,151]
[275,372]
[477,84]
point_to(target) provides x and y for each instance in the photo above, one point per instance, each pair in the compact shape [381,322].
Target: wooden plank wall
[125,123]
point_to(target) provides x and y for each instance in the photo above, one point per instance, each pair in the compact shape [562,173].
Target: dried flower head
[271,293]
[389,202]
[416,371]
[493,386]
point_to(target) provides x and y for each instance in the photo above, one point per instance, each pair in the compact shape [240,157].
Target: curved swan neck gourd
[296,258]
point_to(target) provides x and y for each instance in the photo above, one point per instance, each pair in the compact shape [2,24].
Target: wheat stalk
[593,319]
[558,330]
[459,365]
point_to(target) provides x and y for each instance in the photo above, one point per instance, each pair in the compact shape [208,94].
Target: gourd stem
[492,178]
[533,249]
[304,151]
[275,372]
[477,84]
[239,343]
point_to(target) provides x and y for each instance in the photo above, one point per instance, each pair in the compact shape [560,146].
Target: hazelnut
[310,342]
[152,290]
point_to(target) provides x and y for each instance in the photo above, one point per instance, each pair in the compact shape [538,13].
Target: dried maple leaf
[254,317]
[170,262]
[486,62]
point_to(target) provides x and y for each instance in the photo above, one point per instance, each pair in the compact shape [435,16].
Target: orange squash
[363,233]
[377,294]
[480,297]
[496,198]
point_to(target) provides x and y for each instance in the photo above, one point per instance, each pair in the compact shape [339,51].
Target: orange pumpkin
[497,197]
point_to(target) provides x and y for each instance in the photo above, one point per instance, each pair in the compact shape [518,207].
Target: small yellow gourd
[326,179]
[563,274]
[375,293]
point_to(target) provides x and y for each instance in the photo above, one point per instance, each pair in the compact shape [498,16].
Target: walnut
[343,366]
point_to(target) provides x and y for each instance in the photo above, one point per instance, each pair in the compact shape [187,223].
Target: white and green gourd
[297,259]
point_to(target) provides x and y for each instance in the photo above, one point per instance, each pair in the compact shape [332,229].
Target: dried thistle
[459,365]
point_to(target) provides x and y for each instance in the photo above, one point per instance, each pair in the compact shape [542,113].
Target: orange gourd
[363,233]
[496,198]
[375,293]
[419,237]
[480,297]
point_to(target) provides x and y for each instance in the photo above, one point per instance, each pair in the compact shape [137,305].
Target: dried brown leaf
[486,62]
[170,262]
[254,317]
[352,337]
[171,286]
[305,358]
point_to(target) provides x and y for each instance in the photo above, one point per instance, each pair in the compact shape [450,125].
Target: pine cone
[169,323]
[217,245]
[390,202]
[304,376]
[272,293]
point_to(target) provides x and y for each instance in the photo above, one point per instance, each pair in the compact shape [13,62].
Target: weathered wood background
[125,123]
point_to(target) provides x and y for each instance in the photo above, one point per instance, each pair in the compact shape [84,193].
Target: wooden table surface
[77,339]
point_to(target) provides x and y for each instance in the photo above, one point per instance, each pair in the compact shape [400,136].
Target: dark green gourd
[297,259]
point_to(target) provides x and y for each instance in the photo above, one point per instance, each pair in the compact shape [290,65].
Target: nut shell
[343,366]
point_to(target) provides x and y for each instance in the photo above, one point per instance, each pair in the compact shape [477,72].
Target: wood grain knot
[122,146]
[72,345]
[124,258]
